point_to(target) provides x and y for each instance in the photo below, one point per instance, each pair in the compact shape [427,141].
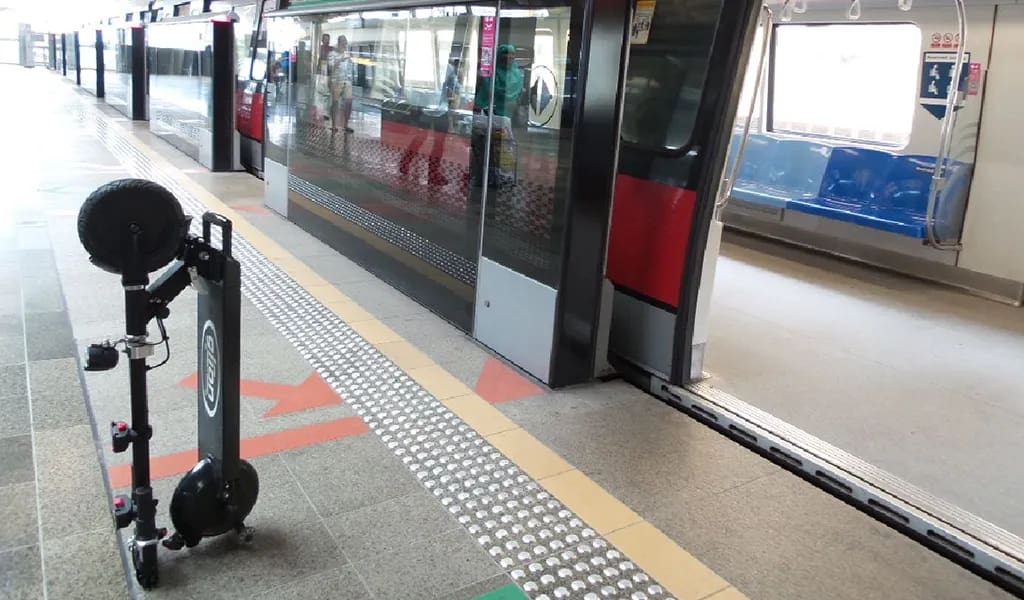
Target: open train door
[686,66]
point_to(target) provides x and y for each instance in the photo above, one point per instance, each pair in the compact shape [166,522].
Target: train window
[244,28]
[854,81]
[666,75]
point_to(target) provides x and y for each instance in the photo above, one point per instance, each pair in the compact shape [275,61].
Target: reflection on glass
[528,159]
[244,28]
[87,59]
[283,41]
[415,124]
[180,59]
[117,66]
[71,54]
[383,104]
[666,75]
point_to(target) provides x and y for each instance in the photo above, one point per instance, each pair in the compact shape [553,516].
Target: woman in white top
[341,75]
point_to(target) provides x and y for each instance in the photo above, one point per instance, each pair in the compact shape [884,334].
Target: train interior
[844,303]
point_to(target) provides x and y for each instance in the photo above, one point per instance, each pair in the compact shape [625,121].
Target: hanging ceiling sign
[936,77]
[642,20]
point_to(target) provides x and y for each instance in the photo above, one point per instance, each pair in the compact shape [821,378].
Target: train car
[872,140]
[256,71]
[829,166]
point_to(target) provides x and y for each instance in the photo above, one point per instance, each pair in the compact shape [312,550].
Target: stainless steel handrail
[946,137]
[726,186]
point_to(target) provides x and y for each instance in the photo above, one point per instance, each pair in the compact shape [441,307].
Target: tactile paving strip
[545,547]
[447,261]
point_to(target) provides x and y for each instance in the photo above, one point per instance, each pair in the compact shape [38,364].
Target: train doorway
[859,177]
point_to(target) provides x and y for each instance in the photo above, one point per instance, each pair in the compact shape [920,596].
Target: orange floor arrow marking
[500,383]
[311,393]
[260,445]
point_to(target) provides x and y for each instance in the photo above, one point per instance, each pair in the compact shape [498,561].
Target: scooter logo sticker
[209,376]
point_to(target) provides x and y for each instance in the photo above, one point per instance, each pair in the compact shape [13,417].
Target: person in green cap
[508,84]
[508,88]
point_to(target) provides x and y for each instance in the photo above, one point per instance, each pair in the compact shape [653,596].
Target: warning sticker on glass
[642,20]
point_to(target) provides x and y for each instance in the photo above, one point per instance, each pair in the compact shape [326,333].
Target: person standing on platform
[341,76]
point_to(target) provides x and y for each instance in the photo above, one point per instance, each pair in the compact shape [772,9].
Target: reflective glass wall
[180,56]
[117,65]
[287,40]
[71,56]
[531,122]
[416,138]
[88,63]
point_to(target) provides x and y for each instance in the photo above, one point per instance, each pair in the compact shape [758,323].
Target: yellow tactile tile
[375,332]
[403,354]
[479,414]
[533,457]
[348,311]
[289,264]
[266,246]
[676,569]
[245,229]
[440,383]
[327,294]
[306,277]
[589,500]
[730,593]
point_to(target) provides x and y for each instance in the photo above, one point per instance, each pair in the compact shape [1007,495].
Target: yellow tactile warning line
[677,570]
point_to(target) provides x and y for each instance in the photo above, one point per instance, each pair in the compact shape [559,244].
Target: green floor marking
[508,592]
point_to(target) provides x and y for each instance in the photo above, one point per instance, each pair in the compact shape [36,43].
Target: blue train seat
[864,186]
[775,171]
[871,188]
[797,167]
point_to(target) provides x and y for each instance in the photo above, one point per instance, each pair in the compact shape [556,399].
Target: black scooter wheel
[120,210]
[198,506]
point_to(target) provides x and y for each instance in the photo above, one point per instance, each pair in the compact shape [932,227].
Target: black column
[100,75]
[140,75]
[222,99]
[602,51]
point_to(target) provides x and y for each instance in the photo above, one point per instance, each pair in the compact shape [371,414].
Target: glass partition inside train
[427,136]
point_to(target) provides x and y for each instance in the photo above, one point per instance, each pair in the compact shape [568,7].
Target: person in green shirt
[508,84]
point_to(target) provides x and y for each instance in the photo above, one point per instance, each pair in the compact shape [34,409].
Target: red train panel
[650,231]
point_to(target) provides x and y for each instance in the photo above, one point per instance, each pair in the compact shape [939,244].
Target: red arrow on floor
[311,393]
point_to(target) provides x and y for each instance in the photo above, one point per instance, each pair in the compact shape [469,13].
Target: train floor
[397,458]
[920,380]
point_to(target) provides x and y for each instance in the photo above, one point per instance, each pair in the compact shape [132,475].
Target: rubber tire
[196,508]
[108,212]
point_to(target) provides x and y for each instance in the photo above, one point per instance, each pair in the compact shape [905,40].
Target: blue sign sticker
[936,77]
